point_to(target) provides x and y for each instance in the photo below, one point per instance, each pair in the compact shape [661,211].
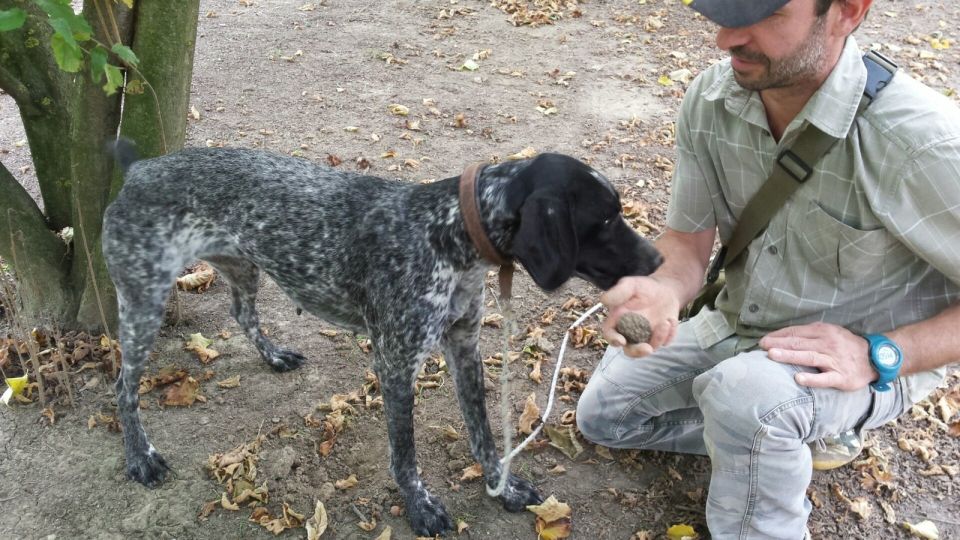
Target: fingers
[826,379]
[806,358]
[620,293]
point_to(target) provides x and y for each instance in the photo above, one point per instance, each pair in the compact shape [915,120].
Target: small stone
[634,327]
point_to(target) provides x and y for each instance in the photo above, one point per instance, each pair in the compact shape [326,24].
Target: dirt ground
[317,79]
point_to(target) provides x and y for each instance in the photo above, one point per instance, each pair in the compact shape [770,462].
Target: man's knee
[597,416]
[740,395]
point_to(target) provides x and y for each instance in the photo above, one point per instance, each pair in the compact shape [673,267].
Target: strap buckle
[794,166]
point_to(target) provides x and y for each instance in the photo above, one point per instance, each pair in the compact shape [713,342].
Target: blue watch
[886,358]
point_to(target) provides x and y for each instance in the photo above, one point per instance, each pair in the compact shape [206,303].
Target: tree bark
[68,118]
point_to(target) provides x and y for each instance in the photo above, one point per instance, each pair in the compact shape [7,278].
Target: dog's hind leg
[141,314]
[460,347]
[243,277]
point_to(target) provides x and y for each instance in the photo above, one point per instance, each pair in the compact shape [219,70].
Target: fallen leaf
[15,386]
[924,529]
[553,518]
[347,483]
[530,416]
[368,525]
[232,382]
[563,438]
[526,153]
[462,526]
[200,345]
[226,504]
[385,535]
[399,110]
[472,472]
[182,394]
[681,532]
[551,509]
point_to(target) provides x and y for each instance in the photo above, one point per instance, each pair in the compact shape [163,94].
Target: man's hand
[842,357]
[649,297]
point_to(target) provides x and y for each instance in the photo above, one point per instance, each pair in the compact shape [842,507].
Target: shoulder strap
[793,167]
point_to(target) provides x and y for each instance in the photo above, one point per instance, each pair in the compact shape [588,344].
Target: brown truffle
[635,327]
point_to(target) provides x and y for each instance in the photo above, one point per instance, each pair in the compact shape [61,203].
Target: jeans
[737,406]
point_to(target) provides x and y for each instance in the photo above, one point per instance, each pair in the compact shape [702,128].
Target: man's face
[784,49]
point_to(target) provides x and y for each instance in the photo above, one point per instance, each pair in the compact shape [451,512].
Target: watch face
[887,355]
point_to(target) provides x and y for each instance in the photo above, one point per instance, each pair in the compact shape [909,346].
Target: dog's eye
[607,222]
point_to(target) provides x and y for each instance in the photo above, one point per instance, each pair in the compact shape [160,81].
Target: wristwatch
[886,358]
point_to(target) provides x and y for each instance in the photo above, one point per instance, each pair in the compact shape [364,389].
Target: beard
[801,64]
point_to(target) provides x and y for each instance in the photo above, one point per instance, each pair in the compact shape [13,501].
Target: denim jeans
[737,406]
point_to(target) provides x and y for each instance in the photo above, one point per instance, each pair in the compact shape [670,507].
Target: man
[868,246]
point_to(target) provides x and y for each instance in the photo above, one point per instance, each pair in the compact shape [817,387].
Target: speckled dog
[386,258]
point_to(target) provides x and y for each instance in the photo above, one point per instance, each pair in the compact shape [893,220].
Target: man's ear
[850,14]
[546,242]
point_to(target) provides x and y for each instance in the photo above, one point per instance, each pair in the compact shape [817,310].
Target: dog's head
[571,225]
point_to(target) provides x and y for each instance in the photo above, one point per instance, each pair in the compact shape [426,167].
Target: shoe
[836,451]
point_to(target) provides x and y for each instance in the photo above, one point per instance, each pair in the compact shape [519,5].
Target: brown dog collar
[471,220]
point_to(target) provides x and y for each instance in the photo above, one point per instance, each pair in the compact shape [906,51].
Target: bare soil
[317,79]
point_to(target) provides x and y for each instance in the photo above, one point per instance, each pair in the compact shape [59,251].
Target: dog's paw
[149,469]
[427,515]
[282,360]
[518,494]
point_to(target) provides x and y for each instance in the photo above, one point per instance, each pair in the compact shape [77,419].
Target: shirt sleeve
[921,207]
[691,198]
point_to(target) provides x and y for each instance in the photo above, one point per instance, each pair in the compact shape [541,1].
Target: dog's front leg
[426,513]
[463,356]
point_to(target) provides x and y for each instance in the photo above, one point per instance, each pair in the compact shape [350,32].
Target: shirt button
[773,250]
[754,308]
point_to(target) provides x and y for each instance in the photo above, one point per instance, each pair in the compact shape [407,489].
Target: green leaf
[126,54]
[62,28]
[64,20]
[11,19]
[67,54]
[98,60]
[128,3]
[114,79]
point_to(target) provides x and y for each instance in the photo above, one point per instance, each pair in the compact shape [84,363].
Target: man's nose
[728,38]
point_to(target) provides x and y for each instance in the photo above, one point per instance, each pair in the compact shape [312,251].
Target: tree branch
[18,91]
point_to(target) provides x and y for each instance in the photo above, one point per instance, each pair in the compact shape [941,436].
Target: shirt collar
[832,108]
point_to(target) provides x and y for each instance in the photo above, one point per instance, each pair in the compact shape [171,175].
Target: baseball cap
[736,13]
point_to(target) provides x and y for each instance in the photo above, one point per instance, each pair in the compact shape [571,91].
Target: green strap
[793,167]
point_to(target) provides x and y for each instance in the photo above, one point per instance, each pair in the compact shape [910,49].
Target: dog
[390,259]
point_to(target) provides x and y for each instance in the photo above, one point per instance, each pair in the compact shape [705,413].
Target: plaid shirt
[870,242]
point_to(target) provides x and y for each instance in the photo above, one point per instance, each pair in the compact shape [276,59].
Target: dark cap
[736,13]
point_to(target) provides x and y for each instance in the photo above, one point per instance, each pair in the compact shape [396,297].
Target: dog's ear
[546,242]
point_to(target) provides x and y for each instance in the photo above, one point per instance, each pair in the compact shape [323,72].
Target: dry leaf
[924,529]
[530,416]
[681,532]
[232,382]
[472,472]
[226,504]
[200,345]
[526,153]
[199,279]
[553,518]
[347,483]
[563,438]
[182,394]
[385,535]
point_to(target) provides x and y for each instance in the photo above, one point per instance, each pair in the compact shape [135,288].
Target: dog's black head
[571,225]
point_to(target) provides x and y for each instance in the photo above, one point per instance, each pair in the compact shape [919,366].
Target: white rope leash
[504,406]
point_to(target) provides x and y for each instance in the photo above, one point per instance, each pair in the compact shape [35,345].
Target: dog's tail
[124,152]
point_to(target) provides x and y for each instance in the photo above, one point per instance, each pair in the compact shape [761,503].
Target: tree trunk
[68,118]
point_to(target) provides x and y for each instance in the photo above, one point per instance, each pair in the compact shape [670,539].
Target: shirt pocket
[850,254]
